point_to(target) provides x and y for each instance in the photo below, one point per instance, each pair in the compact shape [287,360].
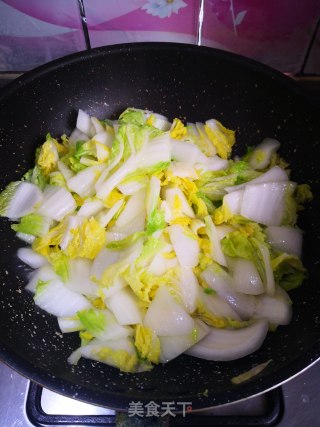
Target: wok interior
[178,81]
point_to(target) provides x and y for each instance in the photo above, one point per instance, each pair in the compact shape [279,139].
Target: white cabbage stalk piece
[54,297]
[69,324]
[106,215]
[21,199]
[124,306]
[218,306]
[94,348]
[160,264]
[31,258]
[262,154]
[265,203]
[84,124]
[227,344]
[80,277]
[185,246]
[90,208]
[189,288]
[83,182]
[174,194]
[246,278]
[275,174]
[173,346]
[277,309]
[166,317]
[215,245]
[243,304]
[134,207]
[285,239]
[187,153]
[57,203]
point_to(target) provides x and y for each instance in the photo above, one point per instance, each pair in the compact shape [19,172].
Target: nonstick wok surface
[193,83]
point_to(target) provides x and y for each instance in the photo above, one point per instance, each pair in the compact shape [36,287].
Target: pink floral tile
[122,21]
[33,32]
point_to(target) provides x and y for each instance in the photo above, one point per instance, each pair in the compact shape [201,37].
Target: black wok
[175,80]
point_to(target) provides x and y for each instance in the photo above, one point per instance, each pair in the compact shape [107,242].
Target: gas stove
[25,404]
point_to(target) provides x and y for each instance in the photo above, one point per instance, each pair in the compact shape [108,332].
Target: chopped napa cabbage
[302,195]
[147,344]
[101,324]
[185,245]
[92,320]
[141,174]
[57,203]
[178,129]
[133,116]
[85,240]
[85,148]
[262,154]
[214,184]
[151,247]
[69,324]
[19,199]
[216,252]
[265,203]
[79,278]
[221,282]
[35,176]
[196,133]
[285,239]
[83,182]
[246,376]
[31,258]
[251,177]
[90,208]
[65,171]
[231,205]
[55,298]
[84,123]
[124,305]
[126,242]
[34,224]
[189,288]
[155,216]
[149,241]
[289,271]
[59,262]
[246,278]
[172,346]
[114,197]
[118,353]
[145,284]
[222,138]
[275,309]
[182,170]
[216,312]
[48,157]
[230,344]
[166,317]
[57,178]
[115,269]
[48,242]
[238,245]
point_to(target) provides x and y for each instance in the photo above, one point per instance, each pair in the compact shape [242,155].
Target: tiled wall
[276,32]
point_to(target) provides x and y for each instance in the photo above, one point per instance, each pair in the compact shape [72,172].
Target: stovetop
[296,403]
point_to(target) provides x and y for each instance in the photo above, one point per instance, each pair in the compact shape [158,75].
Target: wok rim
[115,400]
